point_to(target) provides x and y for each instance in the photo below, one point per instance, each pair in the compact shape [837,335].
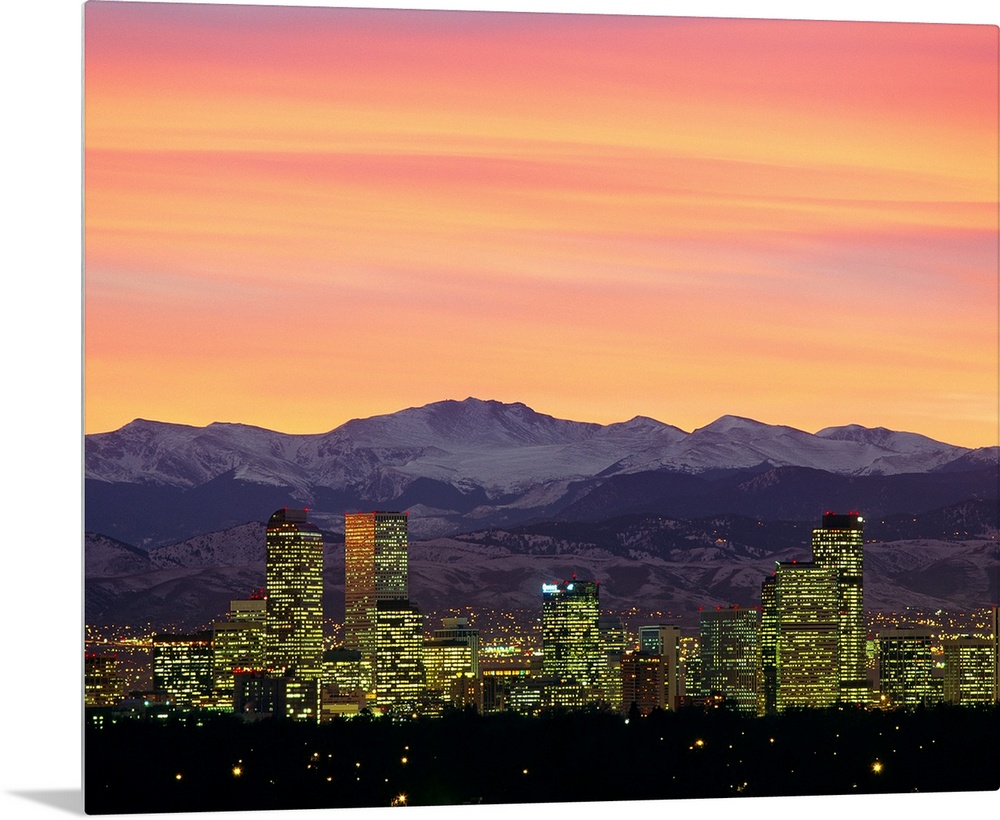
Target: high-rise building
[448,672]
[664,640]
[906,668]
[642,682]
[342,692]
[995,619]
[807,659]
[375,569]
[767,703]
[102,683]
[182,667]
[496,682]
[342,668]
[839,545]
[238,643]
[730,656]
[458,629]
[571,641]
[259,693]
[689,663]
[293,633]
[613,644]
[399,666]
[969,670]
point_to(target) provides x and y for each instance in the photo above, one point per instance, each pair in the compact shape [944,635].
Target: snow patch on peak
[892,440]
[728,423]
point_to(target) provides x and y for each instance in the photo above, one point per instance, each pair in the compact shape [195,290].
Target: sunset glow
[299,216]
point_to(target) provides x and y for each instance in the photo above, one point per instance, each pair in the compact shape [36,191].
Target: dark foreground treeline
[216,762]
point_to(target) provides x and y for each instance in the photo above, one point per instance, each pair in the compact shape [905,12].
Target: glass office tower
[572,648]
[839,545]
[293,624]
[807,662]
[730,656]
[375,569]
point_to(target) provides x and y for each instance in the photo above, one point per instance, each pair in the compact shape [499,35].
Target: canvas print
[501,408]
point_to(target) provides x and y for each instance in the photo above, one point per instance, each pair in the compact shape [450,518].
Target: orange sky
[299,216]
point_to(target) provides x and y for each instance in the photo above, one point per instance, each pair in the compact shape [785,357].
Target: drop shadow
[67,800]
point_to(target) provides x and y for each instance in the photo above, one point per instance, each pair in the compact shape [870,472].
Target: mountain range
[461,466]
[502,498]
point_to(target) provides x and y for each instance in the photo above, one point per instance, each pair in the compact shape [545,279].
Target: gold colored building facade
[839,545]
[375,569]
[807,660]
[293,633]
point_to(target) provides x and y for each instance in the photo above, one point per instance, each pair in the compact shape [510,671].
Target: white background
[41,421]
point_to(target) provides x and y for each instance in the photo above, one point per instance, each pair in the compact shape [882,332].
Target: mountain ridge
[472,463]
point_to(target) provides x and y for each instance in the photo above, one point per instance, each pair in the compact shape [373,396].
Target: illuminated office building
[839,545]
[257,693]
[102,685]
[995,619]
[642,675]
[730,659]
[969,670]
[497,680]
[768,691]
[238,643]
[665,640]
[807,650]
[613,645]
[182,667]
[342,668]
[458,629]
[293,632]
[689,662]
[375,569]
[399,666]
[571,641]
[448,672]
[906,668]
[342,691]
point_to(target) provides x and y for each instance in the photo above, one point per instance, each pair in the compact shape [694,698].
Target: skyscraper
[102,683]
[399,666]
[665,640]
[806,657]
[969,669]
[375,569]
[730,656]
[768,692]
[995,621]
[839,545]
[906,667]
[237,642]
[613,645]
[182,667]
[448,671]
[642,682]
[293,631]
[458,629]
[571,641]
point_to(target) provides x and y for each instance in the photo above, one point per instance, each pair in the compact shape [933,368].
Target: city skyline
[490,238]
[584,662]
[45,57]
[802,645]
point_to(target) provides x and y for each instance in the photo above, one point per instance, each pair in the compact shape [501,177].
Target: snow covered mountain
[497,446]
[461,465]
